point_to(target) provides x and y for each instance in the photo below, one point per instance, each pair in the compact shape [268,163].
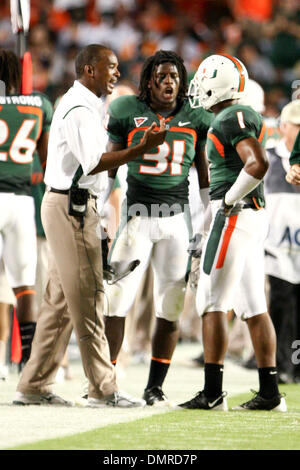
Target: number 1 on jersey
[241,121]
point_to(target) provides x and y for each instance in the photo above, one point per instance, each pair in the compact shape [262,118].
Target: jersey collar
[87,94]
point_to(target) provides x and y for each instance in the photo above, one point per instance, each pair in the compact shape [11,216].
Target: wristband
[243,185]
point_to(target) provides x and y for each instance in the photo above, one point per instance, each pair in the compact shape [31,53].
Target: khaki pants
[70,301]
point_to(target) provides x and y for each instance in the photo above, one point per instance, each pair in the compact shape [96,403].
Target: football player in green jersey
[232,265]
[155,227]
[293,175]
[24,126]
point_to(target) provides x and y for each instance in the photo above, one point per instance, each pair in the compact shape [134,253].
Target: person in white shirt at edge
[74,294]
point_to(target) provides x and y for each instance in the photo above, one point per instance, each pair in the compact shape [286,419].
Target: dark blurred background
[264,34]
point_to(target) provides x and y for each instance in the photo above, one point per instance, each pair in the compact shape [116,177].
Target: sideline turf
[194,430]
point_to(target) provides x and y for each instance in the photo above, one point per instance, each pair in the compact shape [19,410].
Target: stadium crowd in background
[265,35]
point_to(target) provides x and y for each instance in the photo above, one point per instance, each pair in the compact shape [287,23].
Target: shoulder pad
[123,106]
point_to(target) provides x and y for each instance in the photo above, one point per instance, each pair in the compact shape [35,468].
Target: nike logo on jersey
[139,121]
[181,124]
[273,372]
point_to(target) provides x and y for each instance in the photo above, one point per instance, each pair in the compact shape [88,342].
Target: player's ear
[89,70]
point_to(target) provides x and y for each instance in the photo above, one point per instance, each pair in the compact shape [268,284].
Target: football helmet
[254,96]
[219,77]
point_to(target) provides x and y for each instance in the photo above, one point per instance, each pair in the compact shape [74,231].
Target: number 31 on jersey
[163,161]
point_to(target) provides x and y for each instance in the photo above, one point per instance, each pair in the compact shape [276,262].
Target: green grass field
[77,428]
[193,430]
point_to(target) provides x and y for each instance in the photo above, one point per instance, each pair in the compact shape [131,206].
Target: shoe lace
[196,397]
[256,394]
[158,392]
[120,395]
[254,398]
[223,394]
[50,396]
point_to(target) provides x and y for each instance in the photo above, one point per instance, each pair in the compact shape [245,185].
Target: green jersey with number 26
[230,126]
[161,174]
[22,120]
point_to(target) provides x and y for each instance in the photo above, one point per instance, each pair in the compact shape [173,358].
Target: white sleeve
[85,137]
[242,186]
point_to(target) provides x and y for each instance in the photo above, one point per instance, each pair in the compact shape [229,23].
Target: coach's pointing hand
[152,138]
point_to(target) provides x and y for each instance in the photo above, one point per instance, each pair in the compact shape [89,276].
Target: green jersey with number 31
[22,120]
[161,175]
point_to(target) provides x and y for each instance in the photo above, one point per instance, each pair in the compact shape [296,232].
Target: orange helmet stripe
[240,69]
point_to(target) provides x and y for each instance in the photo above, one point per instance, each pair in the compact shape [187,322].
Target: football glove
[227,210]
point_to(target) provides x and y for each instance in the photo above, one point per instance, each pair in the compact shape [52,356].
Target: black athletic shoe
[202,402]
[154,396]
[276,403]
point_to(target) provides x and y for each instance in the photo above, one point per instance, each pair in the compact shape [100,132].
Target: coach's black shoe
[154,396]
[202,402]
[258,402]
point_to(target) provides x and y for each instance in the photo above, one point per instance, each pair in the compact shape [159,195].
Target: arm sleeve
[295,155]
[86,137]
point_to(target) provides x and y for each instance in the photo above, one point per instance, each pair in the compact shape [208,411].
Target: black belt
[59,191]
[66,191]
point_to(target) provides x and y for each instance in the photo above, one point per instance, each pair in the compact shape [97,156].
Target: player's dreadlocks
[10,71]
[158,58]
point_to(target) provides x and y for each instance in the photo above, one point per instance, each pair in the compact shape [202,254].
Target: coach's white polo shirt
[77,136]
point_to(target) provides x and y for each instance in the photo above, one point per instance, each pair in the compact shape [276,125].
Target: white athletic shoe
[41,399]
[117,400]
